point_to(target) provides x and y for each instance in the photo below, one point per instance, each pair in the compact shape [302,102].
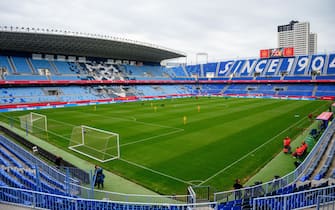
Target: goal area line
[73,148]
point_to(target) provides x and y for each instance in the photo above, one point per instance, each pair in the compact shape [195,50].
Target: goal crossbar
[85,144]
[42,116]
[99,130]
[30,118]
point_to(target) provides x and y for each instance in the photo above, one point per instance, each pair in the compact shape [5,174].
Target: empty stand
[179,72]
[236,89]
[297,90]
[43,65]
[25,77]
[21,65]
[194,70]
[64,77]
[301,68]
[155,90]
[19,170]
[40,94]
[68,70]
[210,69]
[4,63]
[325,90]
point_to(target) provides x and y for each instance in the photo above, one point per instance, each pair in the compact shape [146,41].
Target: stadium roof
[46,41]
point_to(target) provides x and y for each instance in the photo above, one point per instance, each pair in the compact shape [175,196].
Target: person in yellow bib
[185,120]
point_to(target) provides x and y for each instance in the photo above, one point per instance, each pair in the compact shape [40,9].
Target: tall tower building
[297,35]
[313,40]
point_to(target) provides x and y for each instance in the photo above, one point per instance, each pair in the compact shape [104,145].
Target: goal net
[95,143]
[34,123]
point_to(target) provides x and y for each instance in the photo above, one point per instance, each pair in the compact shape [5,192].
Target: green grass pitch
[167,145]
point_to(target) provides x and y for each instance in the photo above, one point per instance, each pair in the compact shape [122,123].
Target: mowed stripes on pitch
[214,137]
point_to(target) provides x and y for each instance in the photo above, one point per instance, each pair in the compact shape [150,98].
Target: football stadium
[96,122]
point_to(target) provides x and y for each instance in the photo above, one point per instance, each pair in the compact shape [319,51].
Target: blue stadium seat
[10,159]
[21,65]
[194,70]
[25,77]
[42,64]
[5,64]
[63,67]
[25,181]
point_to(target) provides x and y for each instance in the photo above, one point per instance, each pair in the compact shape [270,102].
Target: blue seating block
[11,159]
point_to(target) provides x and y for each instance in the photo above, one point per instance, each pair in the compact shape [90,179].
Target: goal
[34,122]
[95,143]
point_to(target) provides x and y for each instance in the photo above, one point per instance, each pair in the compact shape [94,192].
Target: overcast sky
[223,29]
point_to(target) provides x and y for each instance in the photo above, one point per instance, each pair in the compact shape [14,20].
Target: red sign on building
[264,53]
[288,52]
[277,52]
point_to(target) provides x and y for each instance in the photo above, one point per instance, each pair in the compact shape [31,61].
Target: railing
[325,202]
[74,174]
[38,163]
[309,198]
[271,186]
[36,199]
[192,195]
[327,134]
[250,192]
[89,193]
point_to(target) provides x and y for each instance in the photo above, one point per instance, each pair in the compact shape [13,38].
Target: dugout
[325,118]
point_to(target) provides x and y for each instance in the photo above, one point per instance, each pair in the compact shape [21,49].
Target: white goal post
[34,122]
[98,144]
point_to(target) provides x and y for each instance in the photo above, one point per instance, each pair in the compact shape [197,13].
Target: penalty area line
[154,171]
[61,122]
[152,137]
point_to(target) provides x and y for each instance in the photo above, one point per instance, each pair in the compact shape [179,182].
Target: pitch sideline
[246,155]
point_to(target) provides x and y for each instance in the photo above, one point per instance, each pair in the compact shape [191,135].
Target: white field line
[87,155]
[60,136]
[156,172]
[92,148]
[160,126]
[56,134]
[216,102]
[132,163]
[151,137]
[60,122]
[133,119]
[120,118]
[150,124]
[134,142]
[138,165]
[246,155]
